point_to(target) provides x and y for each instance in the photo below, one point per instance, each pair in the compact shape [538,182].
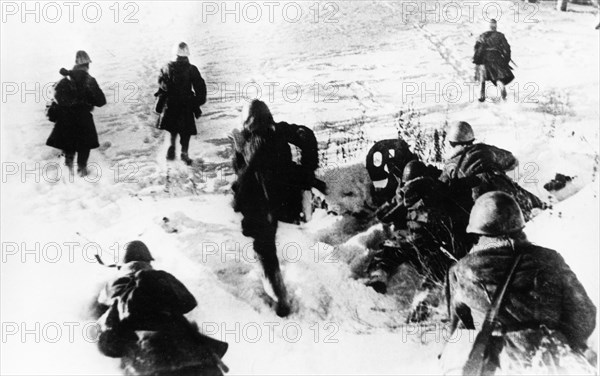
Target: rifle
[476,361]
[97,256]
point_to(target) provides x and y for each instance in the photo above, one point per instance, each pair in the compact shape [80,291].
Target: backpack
[149,292]
[66,93]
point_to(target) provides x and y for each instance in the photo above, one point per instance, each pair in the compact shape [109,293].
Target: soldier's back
[544,290]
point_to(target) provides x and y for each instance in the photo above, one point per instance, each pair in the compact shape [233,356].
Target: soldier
[472,169]
[492,55]
[424,231]
[545,308]
[177,103]
[269,184]
[142,322]
[75,96]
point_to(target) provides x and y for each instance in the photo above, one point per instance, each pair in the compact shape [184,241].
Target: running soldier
[269,185]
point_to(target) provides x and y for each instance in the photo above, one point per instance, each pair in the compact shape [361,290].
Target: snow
[372,58]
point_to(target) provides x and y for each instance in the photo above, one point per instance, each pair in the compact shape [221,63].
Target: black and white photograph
[302,187]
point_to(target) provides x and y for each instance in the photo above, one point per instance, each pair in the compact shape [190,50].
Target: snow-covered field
[347,80]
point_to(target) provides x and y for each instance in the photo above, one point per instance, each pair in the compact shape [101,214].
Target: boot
[69,163]
[283,308]
[185,158]
[378,281]
[82,171]
[71,169]
[482,92]
[171,153]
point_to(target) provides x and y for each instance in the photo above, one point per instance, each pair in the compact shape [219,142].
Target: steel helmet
[82,58]
[461,132]
[413,169]
[495,213]
[136,251]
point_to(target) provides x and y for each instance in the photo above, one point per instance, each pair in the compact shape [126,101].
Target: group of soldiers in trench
[461,226]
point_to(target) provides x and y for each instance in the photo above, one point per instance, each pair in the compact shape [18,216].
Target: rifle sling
[475,362]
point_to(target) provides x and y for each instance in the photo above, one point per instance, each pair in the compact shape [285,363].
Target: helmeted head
[81,58]
[461,133]
[495,214]
[413,169]
[256,116]
[136,251]
[182,50]
[493,24]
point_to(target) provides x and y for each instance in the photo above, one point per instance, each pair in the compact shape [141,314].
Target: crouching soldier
[423,231]
[544,317]
[142,322]
[181,93]
[269,184]
[474,169]
[75,97]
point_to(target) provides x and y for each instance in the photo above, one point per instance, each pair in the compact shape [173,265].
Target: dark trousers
[184,140]
[82,158]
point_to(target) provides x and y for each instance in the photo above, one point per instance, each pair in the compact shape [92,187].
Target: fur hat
[182,50]
[256,116]
[82,58]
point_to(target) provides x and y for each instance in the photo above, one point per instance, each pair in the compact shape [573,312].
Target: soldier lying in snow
[474,169]
[423,230]
[546,315]
[142,322]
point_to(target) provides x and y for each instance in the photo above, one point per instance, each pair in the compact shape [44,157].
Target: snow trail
[184,214]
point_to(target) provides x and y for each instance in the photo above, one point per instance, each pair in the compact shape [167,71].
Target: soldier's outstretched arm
[289,132]
[304,138]
[504,158]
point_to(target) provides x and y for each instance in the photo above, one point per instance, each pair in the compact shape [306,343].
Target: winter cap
[461,133]
[182,50]
[136,251]
[256,116]
[494,214]
[82,58]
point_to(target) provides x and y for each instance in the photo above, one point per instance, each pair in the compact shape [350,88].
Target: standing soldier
[545,315]
[492,55]
[177,103]
[75,97]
